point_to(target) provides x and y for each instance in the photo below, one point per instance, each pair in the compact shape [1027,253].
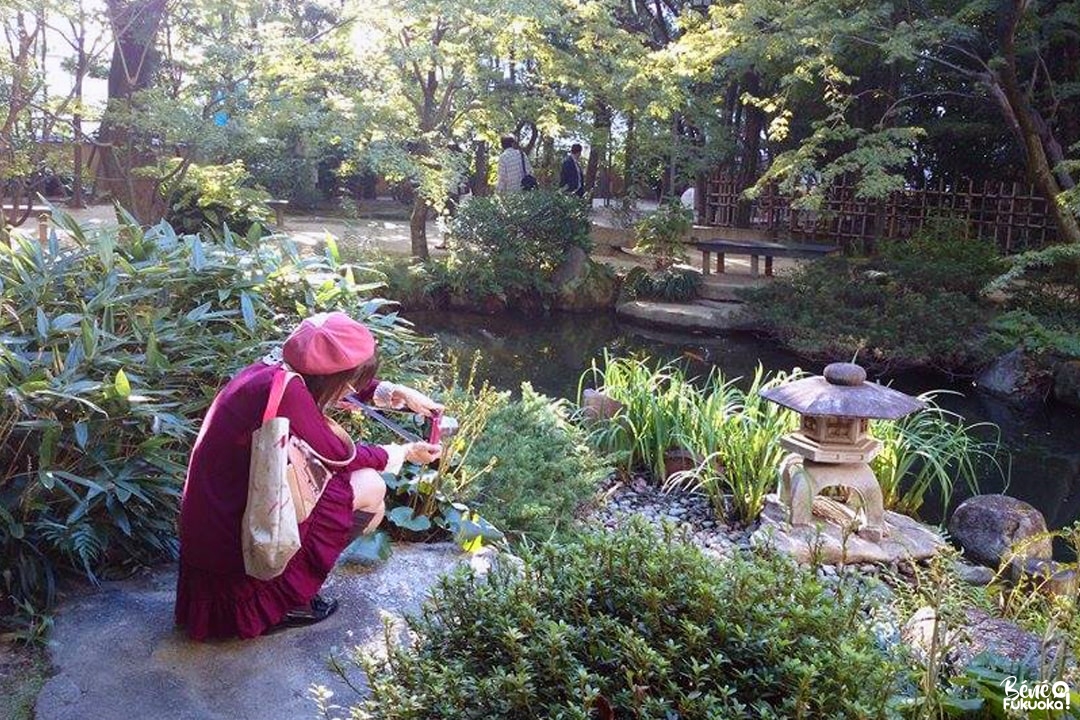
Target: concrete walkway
[118,656]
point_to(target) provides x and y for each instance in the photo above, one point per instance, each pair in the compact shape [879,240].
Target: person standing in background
[513,167]
[571,178]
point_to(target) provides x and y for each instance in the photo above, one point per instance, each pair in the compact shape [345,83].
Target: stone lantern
[832,445]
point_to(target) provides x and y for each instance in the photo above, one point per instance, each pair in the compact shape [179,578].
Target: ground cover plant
[668,285]
[633,625]
[112,345]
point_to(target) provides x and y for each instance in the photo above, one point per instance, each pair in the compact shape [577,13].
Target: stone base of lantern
[803,480]
[832,541]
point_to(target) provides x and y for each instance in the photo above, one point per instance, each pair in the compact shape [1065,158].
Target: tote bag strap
[277,392]
[523,171]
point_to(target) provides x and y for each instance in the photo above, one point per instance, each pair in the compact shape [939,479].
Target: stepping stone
[713,317]
[725,288]
[118,655]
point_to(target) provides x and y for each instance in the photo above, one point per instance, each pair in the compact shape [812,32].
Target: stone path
[117,654]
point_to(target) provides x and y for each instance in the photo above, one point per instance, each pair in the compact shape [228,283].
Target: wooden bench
[756,249]
[43,213]
[278,206]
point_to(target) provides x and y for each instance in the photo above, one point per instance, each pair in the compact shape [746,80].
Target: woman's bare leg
[369,492]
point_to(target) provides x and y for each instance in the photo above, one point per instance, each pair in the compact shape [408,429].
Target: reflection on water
[552,353]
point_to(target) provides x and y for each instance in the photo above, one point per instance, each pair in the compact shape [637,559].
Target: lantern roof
[843,392]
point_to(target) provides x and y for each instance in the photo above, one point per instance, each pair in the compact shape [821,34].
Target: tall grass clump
[732,433]
[112,345]
[660,411]
[734,436]
[932,449]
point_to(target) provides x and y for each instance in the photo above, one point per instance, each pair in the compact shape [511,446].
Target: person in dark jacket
[572,178]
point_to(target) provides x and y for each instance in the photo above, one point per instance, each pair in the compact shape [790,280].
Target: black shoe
[317,610]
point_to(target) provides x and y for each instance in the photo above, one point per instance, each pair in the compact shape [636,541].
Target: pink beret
[328,343]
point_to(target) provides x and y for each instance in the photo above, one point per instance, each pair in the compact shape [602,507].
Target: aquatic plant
[932,449]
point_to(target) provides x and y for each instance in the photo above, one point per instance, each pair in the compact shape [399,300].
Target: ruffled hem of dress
[211,605]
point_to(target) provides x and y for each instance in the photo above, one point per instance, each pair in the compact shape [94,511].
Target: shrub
[661,233]
[669,285]
[217,196]
[541,468]
[111,348]
[943,255]
[1043,288]
[837,308]
[1038,336]
[511,244]
[632,625]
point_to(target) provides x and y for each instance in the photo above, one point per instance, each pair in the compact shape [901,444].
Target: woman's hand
[422,453]
[415,400]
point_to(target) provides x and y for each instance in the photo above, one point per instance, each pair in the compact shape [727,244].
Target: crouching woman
[334,356]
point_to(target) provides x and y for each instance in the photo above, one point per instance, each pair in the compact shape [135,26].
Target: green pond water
[552,352]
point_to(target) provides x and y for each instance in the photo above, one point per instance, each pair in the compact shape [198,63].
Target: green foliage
[511,244]
[540,468]
[669,285]
[661,233]
[733,434]
[931,448]
[632,625]
[838,308]
[1020,328]
[1043,301]
[943,255]
[212,197]
[112,348]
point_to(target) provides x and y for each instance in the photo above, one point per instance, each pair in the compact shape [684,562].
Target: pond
[552,353]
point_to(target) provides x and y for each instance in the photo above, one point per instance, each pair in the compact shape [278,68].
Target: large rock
[969,635]
[117,654]
[585,286]
[829,544]
[988,526]
[1067,382]
[1013,378]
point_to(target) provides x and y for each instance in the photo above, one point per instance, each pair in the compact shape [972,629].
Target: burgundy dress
[215,598]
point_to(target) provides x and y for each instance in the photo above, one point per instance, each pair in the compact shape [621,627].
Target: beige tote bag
[270,533]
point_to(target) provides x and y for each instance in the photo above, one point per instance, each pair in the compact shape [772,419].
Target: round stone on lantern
[833,445]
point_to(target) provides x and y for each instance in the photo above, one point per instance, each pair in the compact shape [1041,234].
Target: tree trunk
[630,154]
[135,61]
[480,187]
[601,135]
[77,200]
[418,227]
[1017,104]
